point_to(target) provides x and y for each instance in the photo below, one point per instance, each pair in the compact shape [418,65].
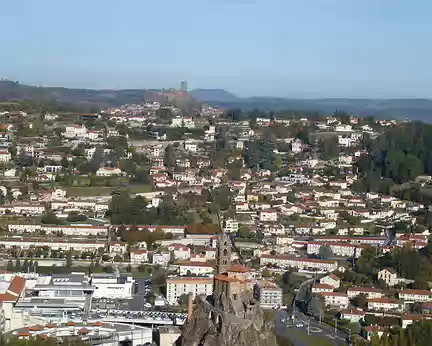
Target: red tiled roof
[365,289]
[323,286]
[6,297]
[17,285]
[417,292]
[238,268]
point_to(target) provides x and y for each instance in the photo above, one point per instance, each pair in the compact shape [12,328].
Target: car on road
[299,325]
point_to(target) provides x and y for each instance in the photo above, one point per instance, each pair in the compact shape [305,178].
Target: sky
[288,48]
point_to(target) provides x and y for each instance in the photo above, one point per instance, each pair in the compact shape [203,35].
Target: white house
[161,259]
[336,299]
[139,256]
[352,315]
[411,295]
[180,251]
[321,288]
[5,156]
[190,146]
[197,268]
[268,215]
[331,280]
[75,131]
[385,304]
[108,171]
[369,292]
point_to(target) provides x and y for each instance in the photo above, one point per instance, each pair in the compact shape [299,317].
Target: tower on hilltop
[223,254]
[183,86]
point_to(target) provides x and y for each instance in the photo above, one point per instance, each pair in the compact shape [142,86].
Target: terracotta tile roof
[17,285]
[225,278]
[334,294]
[353,312]
[238,268]
[376,329]
[365,289]
[6,297]
[323,286]
[416,292]
[385,301]
[192,280]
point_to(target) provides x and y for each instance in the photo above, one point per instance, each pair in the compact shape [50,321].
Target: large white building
[113,285]
[386,304]
[73,230]
[338,249]
[299,263]
[75,131]
[412,295]
[269,294]
[195,268]
[178,286]
[369,292]
[65,245]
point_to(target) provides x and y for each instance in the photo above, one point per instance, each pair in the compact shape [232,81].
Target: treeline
[418,334]
[407,261]
[401,154]
[134,211]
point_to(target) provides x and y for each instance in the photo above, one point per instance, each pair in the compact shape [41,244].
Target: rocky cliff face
[210,326]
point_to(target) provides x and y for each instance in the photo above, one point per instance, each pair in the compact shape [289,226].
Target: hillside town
[121,215]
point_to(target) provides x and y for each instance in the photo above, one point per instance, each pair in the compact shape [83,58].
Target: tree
[360,301]
[169,156]
[50,218]
[315,306]
[69,259]
[266,273]
[10,266]
[325,252]
[367,263]
[184,300]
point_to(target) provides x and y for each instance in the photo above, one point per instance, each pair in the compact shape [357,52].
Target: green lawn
[103,190]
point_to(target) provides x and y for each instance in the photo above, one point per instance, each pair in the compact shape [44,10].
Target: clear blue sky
[292,48]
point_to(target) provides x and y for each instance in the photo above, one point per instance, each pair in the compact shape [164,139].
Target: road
[315,327]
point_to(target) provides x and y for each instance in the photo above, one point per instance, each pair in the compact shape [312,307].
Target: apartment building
[321,288]
[338,249]
[197,268]
[27,243]
[336,299]
[299,263]
[418,296]
[73,230]
[177,286]
[269,294]
[369,292]
[386,304]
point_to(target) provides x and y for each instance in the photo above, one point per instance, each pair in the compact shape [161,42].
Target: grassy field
[103,190]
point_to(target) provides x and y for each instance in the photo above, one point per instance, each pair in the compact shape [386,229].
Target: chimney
[190,303]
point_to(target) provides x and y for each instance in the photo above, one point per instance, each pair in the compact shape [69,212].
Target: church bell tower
[223,254]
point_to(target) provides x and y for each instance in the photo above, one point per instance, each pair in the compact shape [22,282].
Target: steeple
[223,254]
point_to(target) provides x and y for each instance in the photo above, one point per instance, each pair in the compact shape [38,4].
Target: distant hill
[78,98]
[86,99]
[415,109]
[213,95]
